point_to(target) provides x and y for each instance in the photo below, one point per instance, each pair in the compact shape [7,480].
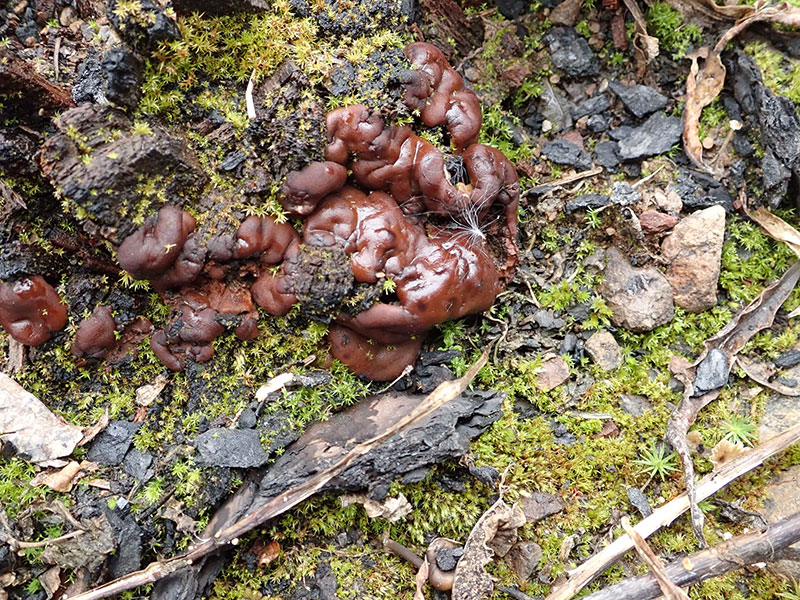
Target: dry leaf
[149,392]
[724,452]
[421,580]
[777,228]
[58,481]
[391,509]
[91,432]
[761,372]
[498,524]
[174,512]
[36,433]
[273,385]
[646,45]
[51,581]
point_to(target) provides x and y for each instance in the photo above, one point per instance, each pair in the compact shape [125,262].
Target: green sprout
[389,286]
[655,461]
[739,430]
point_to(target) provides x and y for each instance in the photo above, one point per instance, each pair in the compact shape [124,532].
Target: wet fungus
[31,310]
[398,236]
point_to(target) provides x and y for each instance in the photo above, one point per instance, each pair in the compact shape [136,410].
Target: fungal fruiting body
[381,209]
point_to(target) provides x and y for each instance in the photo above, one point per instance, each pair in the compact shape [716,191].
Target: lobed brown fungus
[96,334]
[438,91]
[305,188]
[31,310]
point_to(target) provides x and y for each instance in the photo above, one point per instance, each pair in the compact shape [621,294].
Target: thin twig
[668,588]
[666,514]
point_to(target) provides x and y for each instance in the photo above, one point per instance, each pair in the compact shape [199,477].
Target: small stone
[782,499]
[137,464]
[598,123]
[587,202]
[539,505]
[595,27]
[547,125]
[568,344]
[221,447]
[604,350]
[546,320]
[67,16]
[570,53]
[446,560]
[701,190]
[607,154]
[712,373]
[694,252]
[511,9]
[788,359]
[653,222]
[634,404]
[640,299]
[112,444]
[655,136]
[554,78]
[624,195]
[639,100]
[592,106]
[639,501]
[563,152]
[552,374]
[524,558]
[247,419]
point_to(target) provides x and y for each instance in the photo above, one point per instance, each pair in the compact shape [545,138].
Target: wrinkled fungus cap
[95,335]
[31,310]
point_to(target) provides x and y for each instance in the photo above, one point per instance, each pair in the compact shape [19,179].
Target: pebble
[604,350]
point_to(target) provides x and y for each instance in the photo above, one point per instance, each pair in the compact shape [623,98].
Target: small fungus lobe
[31,310]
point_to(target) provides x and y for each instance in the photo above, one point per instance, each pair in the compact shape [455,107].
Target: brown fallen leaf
[498,524]
[91,432]
[147,393]
[36,433]
[646,45]
[51,581]
[421,580]
[60,480]
[776,228]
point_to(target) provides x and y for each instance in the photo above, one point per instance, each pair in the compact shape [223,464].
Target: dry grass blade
[668,588]
[646,45]
[667,513]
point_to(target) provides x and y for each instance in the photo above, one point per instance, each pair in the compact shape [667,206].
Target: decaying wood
[666,514]
[229,535]
[757,546]
[665,584]
[451,24]
[17,77]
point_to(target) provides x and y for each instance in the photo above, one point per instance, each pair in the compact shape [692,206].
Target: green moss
[666,23]
[781,73]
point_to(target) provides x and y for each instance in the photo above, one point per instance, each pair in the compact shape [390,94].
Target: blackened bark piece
[143,24]
[113,173]
[114,78]
[451,25]
[27,91]
[406,456]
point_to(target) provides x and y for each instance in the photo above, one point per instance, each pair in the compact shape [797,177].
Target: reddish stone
[653,221]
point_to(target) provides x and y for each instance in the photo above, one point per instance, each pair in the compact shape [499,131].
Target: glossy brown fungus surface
[31,310]
[96,334]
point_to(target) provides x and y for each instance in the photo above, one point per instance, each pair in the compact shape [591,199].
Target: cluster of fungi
[383,198]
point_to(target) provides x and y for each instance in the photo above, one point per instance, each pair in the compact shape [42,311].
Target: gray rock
[247,419]
[782,499]
[639,501]
[700,190]
[788,359]
[128,556]
[604,350]
[712,373]
[640,100]
[563,152]
[113,442]
[511,9]
[634,404]
[447,560]
[639,299]
[655,136]
[587,202]
[137,464]
[592,106]
[598,123]
[546,320]
[606,154]
[277,427]
[221,447]
[571,53]
[624,195]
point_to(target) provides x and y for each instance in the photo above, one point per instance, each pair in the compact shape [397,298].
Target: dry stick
[665,584]
[156,571]
[757,546]
[666,514]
